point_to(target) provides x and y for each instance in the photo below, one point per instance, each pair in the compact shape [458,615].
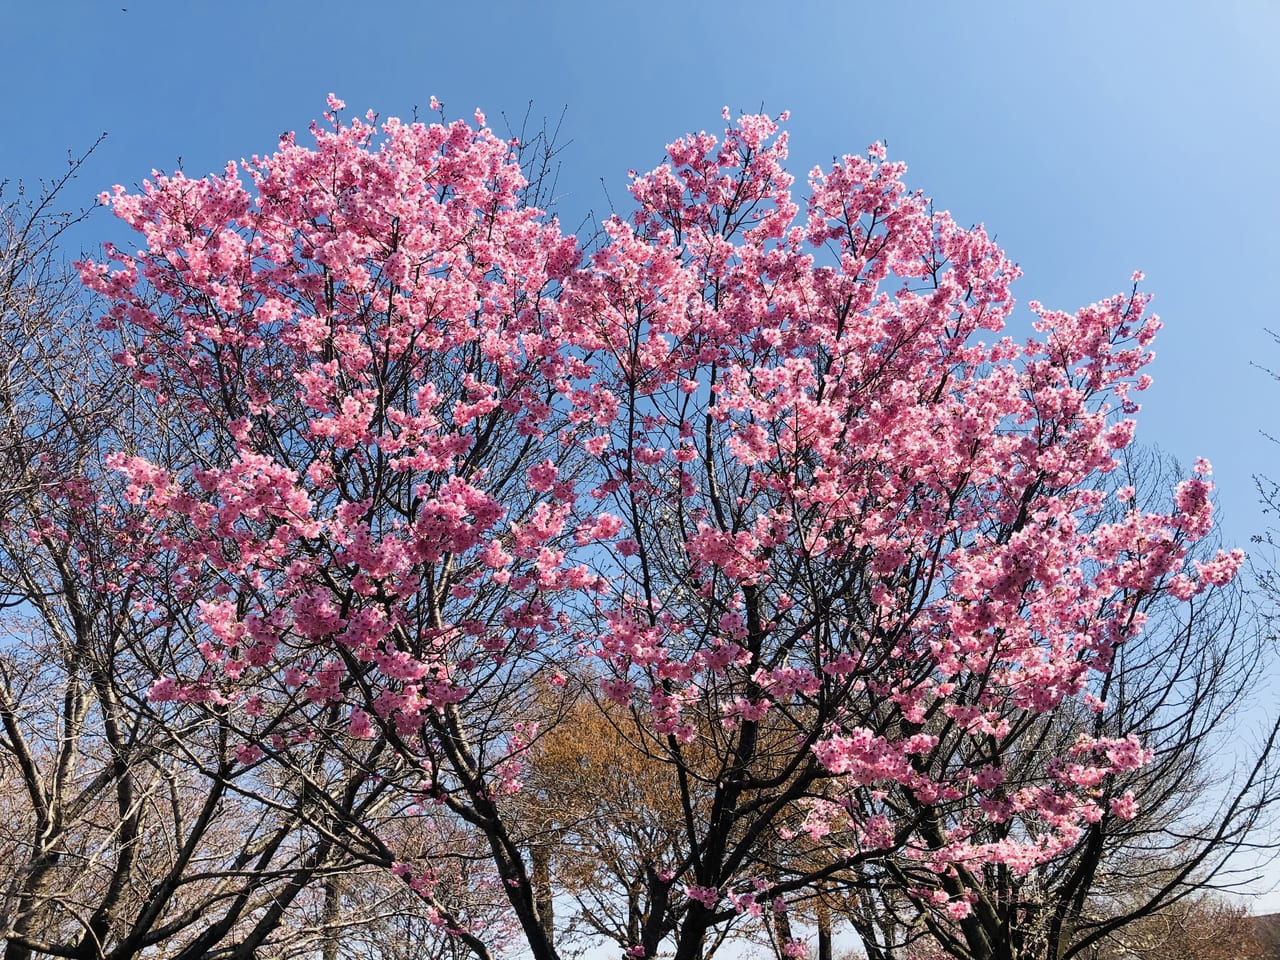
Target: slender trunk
[781,933]
[30,901]
[655,922]
[329,920]
[824,932]
[540,854]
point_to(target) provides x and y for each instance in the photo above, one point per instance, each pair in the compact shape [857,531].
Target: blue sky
[1091,138]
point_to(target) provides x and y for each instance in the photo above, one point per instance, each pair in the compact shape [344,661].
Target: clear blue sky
[1092,138]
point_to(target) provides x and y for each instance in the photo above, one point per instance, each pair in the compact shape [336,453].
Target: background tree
[1197,928]
[602,800]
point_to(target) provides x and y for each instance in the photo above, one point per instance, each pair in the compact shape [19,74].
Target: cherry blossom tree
[1189,688]
[766,472]
[130,826]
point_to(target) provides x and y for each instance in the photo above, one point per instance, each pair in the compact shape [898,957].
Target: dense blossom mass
[762,472]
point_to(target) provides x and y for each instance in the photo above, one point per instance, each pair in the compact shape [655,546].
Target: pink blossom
[1125,806]
[707,896]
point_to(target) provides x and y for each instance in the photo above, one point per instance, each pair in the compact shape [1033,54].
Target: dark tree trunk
[540,854]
